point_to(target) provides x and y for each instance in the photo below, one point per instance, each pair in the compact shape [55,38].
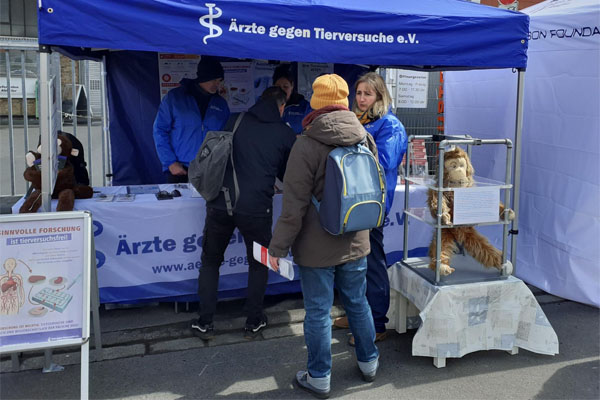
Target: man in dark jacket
[261,146]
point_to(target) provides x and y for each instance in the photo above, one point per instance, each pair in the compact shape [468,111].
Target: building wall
[522,3]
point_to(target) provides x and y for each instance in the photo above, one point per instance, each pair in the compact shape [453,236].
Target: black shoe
[253,330]
[203,331]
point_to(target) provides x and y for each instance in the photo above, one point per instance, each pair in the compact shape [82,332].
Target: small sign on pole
[45,283]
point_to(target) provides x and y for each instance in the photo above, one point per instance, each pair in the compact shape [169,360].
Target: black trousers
[378,283]
[218,229]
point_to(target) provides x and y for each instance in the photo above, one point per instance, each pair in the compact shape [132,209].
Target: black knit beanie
[208,69]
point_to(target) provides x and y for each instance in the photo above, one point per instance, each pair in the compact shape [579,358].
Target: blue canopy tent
[412,34]
[424,34]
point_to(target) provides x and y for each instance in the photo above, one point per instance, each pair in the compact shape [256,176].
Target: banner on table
[149,249]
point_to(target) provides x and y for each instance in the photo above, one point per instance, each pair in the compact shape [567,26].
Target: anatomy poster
[41,280]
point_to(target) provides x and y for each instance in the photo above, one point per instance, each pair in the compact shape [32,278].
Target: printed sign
[412,88]
[16,88]
[238,85]
[476,205]
[172,68]
[42,279]
[307,73]
[263,76]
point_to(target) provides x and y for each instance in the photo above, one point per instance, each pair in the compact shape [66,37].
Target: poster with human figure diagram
[42,279]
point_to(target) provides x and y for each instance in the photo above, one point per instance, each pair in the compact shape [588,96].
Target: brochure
[105,197]
[286,268]
[125,197]
[142,189]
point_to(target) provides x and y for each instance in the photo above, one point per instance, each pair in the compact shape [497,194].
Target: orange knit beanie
[328,90]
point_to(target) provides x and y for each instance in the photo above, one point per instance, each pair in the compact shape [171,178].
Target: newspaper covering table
[461,319]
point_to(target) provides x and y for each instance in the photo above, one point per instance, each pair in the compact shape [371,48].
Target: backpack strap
[225,190]
[316,203]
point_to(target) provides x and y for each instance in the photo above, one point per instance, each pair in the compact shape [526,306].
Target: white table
[459,319]
[150,249]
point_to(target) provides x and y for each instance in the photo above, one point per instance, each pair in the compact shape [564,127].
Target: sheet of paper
[476,205]
[261,254]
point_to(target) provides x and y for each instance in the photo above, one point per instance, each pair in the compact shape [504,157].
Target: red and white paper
[261,254]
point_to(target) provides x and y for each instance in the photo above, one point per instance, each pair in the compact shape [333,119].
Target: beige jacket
[298,226]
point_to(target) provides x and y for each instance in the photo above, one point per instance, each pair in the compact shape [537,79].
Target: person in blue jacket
[185,115]
[296,106]
[372,106]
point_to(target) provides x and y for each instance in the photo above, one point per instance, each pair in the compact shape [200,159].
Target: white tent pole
[48,148]
[517,182]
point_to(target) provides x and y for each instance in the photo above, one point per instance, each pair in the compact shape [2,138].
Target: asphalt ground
[149,353]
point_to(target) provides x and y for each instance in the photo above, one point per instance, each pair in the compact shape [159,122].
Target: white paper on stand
[261,254]
[476,205]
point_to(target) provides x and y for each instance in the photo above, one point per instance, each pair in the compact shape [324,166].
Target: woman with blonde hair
[372,105]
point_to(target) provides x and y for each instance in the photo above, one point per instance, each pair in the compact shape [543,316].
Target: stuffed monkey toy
[66,189]
[458,173]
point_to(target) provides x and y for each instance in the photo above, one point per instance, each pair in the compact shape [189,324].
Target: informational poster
[476,205]
[307,73]
[172,68]
[238,85]
[42,280]
[412,88]
[263,77]
[16,87]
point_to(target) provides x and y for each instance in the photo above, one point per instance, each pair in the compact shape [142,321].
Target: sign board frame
[84,218]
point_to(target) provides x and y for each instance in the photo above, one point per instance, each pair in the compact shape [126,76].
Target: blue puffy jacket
[179,129]
[390,138]
[295,111]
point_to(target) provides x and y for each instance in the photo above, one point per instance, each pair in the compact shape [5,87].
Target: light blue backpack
[354,191]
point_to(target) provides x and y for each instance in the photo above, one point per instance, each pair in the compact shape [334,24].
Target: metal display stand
[59,294]
[474,308]
[465,271]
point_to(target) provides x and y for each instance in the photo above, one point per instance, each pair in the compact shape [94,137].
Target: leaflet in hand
[286,269]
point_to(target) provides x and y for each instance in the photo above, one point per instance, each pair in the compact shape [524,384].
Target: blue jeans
[317,289]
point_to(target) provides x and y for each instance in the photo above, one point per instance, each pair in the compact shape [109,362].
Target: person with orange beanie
[325,259]
[373,107]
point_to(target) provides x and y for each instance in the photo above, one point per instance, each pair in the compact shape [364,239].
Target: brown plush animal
[458,172]
[66,189]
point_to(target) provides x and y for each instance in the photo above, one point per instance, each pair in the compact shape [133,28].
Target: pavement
[149,353]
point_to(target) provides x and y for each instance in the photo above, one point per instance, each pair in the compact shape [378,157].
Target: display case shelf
[466,270]
[431,183]
[423,214]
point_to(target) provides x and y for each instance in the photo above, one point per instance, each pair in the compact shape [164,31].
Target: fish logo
[207,21]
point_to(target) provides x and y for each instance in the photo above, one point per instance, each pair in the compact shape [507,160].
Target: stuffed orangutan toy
[458,173]
[66,189]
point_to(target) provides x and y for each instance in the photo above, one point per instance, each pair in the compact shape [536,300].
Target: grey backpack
[207,170]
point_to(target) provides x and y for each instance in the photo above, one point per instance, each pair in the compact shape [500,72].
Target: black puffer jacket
[261,147]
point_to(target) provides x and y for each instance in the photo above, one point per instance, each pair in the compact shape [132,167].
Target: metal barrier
[78,82]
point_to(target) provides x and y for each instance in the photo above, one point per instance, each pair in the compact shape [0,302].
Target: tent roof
[442,34]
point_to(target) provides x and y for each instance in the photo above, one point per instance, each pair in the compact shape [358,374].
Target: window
[18,18]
